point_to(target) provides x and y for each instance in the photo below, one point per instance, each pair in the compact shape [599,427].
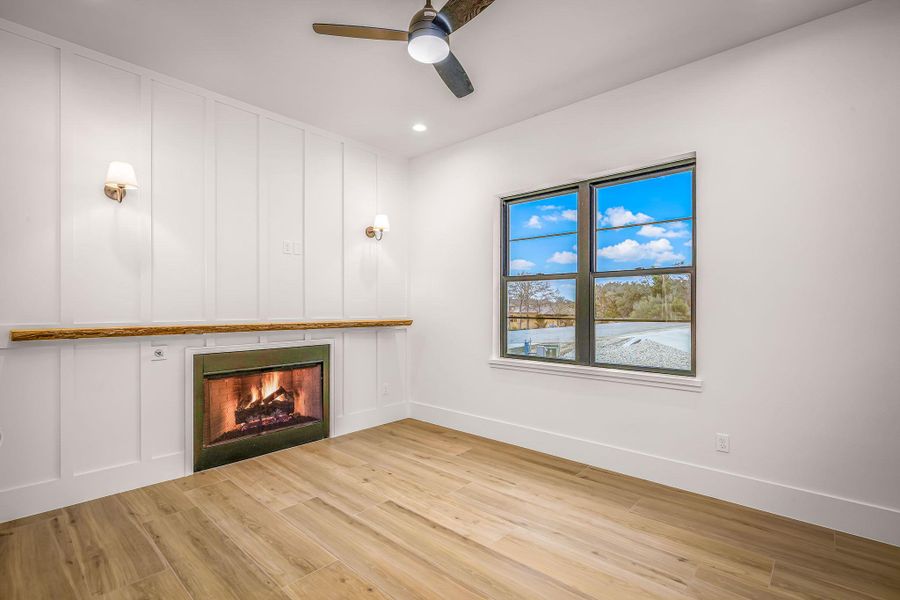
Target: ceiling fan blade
[454,76]
[457,13]
[361,31]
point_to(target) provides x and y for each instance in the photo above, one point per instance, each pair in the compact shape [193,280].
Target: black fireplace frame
[220,364]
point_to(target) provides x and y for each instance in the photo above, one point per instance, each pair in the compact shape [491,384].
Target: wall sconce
[377,229]
[119,177]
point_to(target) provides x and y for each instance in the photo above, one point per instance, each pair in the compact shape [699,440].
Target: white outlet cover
[287,247]
[159,353]
[723,442]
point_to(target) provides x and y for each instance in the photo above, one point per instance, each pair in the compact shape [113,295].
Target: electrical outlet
[723,442]
[287,246]
[159,353]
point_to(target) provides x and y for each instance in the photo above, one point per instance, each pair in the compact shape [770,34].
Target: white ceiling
[524,56]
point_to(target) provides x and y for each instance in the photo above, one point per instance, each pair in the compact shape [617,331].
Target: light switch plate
[298,247]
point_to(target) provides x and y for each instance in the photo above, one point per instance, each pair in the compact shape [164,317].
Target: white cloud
[567,215]
[617,216]
[563,258]
[549,207]
[689,243]
[674,230]
[520,264]
[660,252]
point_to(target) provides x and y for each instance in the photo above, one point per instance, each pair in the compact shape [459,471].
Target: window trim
[586,273]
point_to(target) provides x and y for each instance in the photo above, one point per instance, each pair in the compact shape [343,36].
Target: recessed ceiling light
[420,127]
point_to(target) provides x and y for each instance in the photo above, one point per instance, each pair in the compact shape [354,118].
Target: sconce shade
[121,174]
[382,223]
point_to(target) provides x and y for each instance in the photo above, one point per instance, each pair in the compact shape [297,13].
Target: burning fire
[268,384]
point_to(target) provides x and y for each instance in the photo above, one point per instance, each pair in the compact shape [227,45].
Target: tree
[531,300]
[652,298]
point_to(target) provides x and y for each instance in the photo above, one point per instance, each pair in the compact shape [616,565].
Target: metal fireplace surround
[247,362]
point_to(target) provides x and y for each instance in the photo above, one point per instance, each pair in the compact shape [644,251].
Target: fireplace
[252,402]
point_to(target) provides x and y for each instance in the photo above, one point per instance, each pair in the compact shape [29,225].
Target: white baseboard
[843,514]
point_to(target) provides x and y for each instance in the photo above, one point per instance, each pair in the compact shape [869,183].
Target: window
[603,272]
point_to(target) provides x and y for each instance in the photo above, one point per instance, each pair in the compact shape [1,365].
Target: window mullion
[583,303]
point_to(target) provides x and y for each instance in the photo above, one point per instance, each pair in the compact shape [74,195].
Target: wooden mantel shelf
[77,333]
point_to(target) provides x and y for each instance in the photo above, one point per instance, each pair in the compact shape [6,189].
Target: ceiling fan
[428,38]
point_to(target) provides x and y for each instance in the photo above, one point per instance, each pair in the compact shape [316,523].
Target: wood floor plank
[619,532]
[283,552]
[275,487]
[209,564]
[484,570]
[334,485]
[709,584]
[334,582]
[24,521]
[802,583]
[198,479]
[401,432]
[867,549]
[400,573]
[490,445]
[444,509]
[609,548]
[590,577]
[330,453]
[101,540]
[31,564]
[161,586]
[435,480]
[148,503]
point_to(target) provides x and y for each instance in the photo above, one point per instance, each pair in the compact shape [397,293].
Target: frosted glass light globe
[428,48]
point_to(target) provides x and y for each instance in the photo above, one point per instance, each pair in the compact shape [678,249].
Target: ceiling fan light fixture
[428,46]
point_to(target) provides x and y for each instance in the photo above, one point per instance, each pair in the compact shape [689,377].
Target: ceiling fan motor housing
[424,23]
[428,41]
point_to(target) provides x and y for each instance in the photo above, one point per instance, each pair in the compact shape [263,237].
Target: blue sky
[645,246]
[635,206]
[543,217]
[645,200]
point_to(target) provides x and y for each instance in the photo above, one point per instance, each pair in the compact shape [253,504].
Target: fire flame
[269,383]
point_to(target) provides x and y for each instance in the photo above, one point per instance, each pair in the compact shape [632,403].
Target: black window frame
[586,273]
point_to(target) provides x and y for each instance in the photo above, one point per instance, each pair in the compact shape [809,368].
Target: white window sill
[675,382]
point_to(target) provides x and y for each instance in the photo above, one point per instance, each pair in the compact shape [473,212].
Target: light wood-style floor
[412,510]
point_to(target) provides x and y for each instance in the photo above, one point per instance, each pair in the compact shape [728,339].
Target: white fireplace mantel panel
[222,186]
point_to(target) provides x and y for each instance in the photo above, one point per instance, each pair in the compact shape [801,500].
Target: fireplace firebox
[248,403]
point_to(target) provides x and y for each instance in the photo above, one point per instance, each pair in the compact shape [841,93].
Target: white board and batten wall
[241,215]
